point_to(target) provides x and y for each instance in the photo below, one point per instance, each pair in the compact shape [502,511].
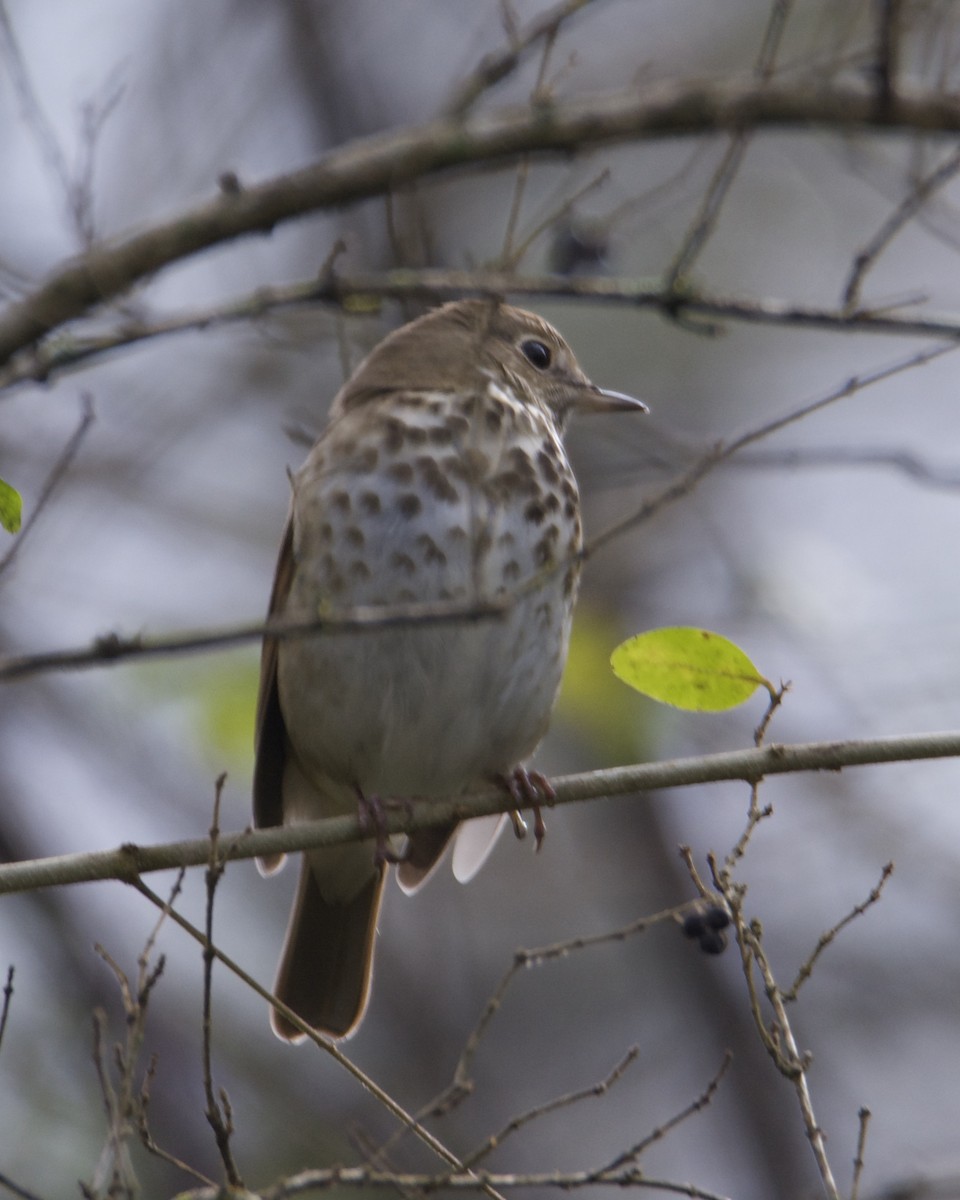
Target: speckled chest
[420,497]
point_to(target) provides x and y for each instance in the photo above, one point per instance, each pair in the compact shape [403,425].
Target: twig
[778,1039]
[687,481]
[55,478]
[755,814]
[806,968]
[113,647]
[7,998]
[323,1043]
[658,1134]
[114,1174]
[30,107]
[706,219]
[310,1181]
[921,192]
[128,862]
[146,1137]
[595,1090]
[461,1084]
[16,1190]
[219,1112]
[918,469]
[863,1116]
[509,257]
[77,185]
[495,67]
[887,65]
[773,33]
[558,213]
[775,699]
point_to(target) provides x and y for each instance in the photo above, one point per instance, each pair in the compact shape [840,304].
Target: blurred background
[816,551]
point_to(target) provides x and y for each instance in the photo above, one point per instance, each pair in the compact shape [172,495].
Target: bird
[440,479]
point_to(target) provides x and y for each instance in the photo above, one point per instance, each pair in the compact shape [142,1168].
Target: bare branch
[495,1140]
[376,165]
[7,998]
[344,291]
[218,1111]
[114,1174]
[128,862]
[408,1182]
[21,1193]
[864,1116]
[684,1114]
[778,1038]
[806,968]
[685,484]
[326,1044]
[495,67]
[112,647]
[896,222]
[53,480]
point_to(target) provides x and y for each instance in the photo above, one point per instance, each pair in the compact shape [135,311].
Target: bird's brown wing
[271,732]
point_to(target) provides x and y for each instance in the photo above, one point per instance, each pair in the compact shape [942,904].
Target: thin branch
[705,221]
[146,1137]
[21,1193]
[55,478]
[509,257]
[31,110]
[558,213]
[462,1084]
[128,862]
[77,185]
[495,67]
[63,352]
[755,815]
[408,1182]
[776,27]
[374,165]
[806,968]
[685,483]
[593,1091]
[219,1112]
[887,65]
[114,1174]
[895,223]
[778,1038]
[863,1116]
[322,1042]
[7,999]
[708,214]
[920,470]
[112,647]
[684,1114]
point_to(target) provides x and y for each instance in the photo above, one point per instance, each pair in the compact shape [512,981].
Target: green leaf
[692,669]
[11,506]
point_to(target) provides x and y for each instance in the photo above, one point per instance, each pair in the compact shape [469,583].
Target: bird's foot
[372,814]
[528,788]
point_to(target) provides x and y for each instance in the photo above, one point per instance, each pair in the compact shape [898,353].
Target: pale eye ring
[536,353]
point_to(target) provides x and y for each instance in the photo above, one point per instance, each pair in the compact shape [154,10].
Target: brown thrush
[441,478]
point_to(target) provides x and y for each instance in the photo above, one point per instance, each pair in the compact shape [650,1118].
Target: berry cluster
[706,924]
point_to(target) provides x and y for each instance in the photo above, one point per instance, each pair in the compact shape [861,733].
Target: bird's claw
[372,814]
[533,789]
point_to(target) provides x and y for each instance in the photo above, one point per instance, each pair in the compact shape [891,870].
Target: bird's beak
[600,400]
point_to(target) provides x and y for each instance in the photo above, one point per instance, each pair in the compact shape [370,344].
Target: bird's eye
[536,353]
